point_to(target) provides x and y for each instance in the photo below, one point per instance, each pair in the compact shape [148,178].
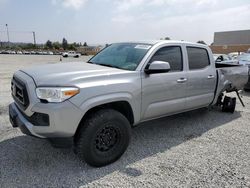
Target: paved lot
[196,149]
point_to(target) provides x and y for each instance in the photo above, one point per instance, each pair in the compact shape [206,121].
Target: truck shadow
[30,161]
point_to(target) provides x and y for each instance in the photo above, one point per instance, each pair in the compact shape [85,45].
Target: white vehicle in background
[26,52]
[244,59]
[19,52]
[234,55]
[224,58]
[50,53]
[71,54]
[11,52]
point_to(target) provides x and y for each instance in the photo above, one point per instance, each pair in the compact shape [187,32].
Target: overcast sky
[107,21]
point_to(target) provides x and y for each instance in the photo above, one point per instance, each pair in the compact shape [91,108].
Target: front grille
[19,93]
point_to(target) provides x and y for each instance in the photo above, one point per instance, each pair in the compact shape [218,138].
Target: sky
[108,21]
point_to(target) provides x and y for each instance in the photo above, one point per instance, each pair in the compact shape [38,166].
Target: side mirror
[158,67]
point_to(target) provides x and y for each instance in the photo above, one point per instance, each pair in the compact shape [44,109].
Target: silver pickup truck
[93,105]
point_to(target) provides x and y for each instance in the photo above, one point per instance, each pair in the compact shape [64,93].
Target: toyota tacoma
[93,105]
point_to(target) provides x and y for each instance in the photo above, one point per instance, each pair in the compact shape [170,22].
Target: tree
[56,45]
[85,44]
[64,44]
[49,44]
[71,47]
[28,46]
[201,42]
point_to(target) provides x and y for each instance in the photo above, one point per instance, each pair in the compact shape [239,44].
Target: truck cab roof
[154,42]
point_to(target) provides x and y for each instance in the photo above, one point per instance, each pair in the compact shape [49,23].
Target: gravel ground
[196,149]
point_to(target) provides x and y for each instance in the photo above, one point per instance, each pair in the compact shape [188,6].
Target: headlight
[56,94]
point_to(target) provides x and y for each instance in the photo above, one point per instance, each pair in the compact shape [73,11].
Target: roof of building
[232,37]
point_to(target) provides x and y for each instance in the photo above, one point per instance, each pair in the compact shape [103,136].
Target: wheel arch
[122,106]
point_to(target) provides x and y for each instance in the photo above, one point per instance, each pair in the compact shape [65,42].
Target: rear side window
[197,58]
[170,54]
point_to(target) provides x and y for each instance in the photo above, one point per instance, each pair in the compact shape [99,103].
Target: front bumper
[18,120]
[64,119]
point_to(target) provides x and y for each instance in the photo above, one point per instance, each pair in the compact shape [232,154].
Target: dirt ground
[202,148]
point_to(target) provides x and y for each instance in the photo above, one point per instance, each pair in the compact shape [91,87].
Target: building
[231,41]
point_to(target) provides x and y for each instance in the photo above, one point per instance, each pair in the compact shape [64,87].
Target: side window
[197,58]
[170,54]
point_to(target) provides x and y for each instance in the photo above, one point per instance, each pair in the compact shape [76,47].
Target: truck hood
[66,74]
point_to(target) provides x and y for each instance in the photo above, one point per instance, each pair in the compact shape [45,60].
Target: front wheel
[103,138]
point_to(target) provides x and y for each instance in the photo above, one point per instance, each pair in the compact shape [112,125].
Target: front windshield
[125,56]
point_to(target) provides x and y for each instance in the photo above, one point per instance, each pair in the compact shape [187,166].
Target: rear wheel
[229,104]
[103,138]
[247,90]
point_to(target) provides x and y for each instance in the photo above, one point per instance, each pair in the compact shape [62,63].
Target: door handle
[181,80]
[210,76]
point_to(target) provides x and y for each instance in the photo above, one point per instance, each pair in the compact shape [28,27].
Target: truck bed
[234,76]
[230,77]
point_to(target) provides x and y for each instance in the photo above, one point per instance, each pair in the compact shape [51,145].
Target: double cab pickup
[93,105]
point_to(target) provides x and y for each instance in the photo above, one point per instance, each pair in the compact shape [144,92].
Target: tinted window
[197,58]
[170,54]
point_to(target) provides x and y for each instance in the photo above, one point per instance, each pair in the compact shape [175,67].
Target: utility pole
[8,34]
[34,37]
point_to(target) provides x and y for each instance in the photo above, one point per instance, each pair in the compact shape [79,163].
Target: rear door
[201,78]
[165,93]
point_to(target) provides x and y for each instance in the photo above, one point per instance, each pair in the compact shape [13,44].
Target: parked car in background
[223,58]
[50,53]
[244,59]
[19,52]
[71,54]
[26,52]
[11,52]
[57,53]
[234,55]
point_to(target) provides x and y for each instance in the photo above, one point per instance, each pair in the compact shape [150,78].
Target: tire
[246,90]
[103,138]
[229,104]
